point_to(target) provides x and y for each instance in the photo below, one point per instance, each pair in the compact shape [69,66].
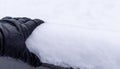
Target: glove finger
[10,19]
[29,26]
[7,17]
[22,19]
[13,22]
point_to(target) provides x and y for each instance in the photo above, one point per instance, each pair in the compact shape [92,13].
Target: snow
[75,46]
[79,33]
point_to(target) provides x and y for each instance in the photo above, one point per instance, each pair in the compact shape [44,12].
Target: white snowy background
[79,33]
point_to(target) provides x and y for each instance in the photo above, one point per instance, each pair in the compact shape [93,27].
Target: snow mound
[76,46]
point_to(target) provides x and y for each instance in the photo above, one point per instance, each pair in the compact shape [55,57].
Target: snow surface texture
[77,33]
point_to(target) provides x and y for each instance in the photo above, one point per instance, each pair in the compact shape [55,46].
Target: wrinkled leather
[13,34]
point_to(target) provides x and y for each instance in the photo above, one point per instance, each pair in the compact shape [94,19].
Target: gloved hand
[13,34]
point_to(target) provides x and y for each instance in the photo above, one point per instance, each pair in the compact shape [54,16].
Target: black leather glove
[13,34]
